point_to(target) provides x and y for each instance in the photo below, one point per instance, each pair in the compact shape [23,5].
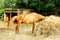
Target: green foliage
[25,1]
[38,5]
[1,11]
[1,4]
[50,5]
[10,3]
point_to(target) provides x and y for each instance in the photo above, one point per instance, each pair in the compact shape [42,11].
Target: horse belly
[28,20]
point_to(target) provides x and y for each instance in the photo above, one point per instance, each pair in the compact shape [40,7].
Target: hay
[51,25]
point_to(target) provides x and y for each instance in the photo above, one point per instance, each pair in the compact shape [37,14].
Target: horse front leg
[17,27]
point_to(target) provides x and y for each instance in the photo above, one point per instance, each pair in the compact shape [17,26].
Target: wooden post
[18,12]
[4,16]
[10,15]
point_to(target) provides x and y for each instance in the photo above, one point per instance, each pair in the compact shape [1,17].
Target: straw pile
[51,25]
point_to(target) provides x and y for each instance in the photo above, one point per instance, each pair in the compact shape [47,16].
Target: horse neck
[22,16]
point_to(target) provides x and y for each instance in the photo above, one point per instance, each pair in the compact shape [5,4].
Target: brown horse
[26,18]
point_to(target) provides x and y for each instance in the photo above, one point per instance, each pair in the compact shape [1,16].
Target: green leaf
[50,5]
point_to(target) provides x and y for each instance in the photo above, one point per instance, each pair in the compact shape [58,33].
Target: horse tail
[11,21]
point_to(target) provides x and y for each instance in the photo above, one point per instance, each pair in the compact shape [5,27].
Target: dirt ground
[24,33]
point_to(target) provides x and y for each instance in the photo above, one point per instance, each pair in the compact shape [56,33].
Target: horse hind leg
[33,27]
